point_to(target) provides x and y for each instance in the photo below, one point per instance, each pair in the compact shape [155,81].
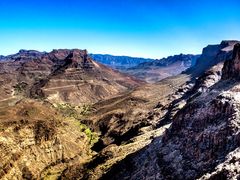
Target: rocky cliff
[232,68]
[211,56]
[202,141]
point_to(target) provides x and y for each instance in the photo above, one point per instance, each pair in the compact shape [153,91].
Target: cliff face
[202,141]
[232,67]
[211,56]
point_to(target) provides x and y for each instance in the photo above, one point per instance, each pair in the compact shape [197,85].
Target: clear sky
[143,28]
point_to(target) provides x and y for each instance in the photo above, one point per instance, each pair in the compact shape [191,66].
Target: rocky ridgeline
[119,62]
[187,60]
[211,56]
[60,76]
[157,70]
[203,139]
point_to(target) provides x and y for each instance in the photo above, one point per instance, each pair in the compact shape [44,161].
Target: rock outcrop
[232,67]
[211,56]
[203,139]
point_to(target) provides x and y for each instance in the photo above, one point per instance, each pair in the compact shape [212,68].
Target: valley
[65,116]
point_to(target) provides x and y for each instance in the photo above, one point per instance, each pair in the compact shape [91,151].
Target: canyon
[64,115]
[149,70]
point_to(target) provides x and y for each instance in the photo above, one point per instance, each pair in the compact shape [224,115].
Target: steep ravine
[202,141]
[183,127]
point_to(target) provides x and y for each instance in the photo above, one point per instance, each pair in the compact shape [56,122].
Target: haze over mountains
[157,70]
[119,62]
[149,70]
[65,116]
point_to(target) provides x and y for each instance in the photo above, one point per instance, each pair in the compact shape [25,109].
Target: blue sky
[143,28]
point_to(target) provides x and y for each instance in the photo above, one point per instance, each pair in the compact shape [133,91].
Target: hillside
[132,127]
[159,69]
[61,76]
[182,127]
[202,141]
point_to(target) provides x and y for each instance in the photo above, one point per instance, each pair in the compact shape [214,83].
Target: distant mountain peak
[24,51]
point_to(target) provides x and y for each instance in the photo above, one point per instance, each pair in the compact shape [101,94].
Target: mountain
[202,141]
[157,131]
[61,76]
[183,127]
[159,69]
[212,55]
[119,62]
[149,70]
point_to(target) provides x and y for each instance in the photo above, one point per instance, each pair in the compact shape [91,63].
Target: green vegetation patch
[77,113]
[20,88]
[69,110]
[91,135]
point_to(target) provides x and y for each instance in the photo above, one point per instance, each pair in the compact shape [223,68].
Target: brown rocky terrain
[36,141]
[130,122]
[202,141]
[60,76]
[183,127]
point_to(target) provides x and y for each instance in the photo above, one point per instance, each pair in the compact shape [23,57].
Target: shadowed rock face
[203,139]
[211,56]
[1,57]
[232,67]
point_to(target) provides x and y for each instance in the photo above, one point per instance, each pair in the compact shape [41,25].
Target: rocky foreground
[203,140]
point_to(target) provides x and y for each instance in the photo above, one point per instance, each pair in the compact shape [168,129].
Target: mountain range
[148,70]
[119,62]
[58,76]
[65,116]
